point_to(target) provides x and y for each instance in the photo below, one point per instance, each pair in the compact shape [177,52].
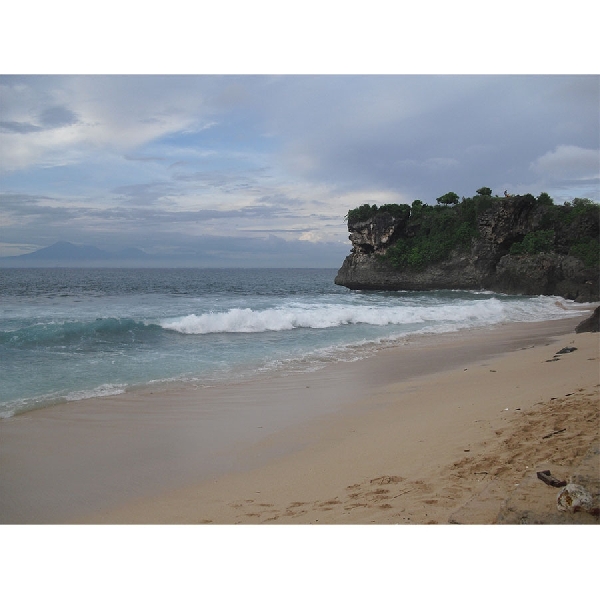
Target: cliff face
[487,262]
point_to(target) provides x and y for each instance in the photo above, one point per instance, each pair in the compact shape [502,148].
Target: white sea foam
[13,408]
[108,389]
[322,316]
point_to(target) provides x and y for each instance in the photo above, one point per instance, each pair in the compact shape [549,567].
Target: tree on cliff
[449,198]
[484,191]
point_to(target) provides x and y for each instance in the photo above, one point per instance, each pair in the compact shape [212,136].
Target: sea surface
[71,334]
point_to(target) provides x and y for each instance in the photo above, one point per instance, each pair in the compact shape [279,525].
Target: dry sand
[447,429]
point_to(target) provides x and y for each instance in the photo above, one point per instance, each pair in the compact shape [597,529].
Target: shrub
[545,199]
[588,251]
[484,191]
[437,230]
[449,198]
[583,202]
[396,210]
[362,213]
[535,242]
[366,212]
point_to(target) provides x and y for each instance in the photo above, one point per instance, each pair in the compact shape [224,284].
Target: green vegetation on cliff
[564,232]
[431,233]
[535,242]
[367,211]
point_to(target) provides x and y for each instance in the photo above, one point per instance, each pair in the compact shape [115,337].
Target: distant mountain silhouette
[66,252]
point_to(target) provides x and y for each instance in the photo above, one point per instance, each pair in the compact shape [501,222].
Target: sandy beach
[443,429]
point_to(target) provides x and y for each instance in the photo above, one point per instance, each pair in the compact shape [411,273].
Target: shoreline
[136,458]
[252,369]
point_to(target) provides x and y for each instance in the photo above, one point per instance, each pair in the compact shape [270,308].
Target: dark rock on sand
[566,350]
[591,324]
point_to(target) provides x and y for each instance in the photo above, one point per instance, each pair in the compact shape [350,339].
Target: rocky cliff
[516,245]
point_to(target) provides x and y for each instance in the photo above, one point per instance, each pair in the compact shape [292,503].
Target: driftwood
[548,479]
[544,437]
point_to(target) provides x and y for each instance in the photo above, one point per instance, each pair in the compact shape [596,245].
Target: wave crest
[322,316]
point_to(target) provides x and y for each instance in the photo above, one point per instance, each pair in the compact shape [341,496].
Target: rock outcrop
[488,262]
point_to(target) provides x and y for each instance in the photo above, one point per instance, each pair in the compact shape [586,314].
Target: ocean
[71,334]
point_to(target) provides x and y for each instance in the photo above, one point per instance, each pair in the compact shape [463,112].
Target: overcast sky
[249,170]
[217,167]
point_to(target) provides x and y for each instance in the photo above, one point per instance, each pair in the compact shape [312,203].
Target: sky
[230,170]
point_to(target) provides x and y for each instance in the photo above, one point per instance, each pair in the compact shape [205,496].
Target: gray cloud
[57,116]
[19,127]
[52,117]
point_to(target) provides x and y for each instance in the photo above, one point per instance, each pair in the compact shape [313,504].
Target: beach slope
[458,443]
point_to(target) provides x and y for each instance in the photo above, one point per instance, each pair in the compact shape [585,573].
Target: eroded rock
[574,498]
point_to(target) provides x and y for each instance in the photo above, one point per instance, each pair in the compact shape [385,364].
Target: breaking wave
[488,311]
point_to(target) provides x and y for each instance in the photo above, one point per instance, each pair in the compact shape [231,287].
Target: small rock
[574,498]
[566,350]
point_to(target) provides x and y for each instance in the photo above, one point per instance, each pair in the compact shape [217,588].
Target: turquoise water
[71,334]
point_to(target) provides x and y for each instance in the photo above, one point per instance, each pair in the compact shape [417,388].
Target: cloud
[144,194]
[568,162]
[100,112]
[53,117]
[18,127]
[57,116]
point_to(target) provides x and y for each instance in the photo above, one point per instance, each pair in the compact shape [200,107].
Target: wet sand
[415,434]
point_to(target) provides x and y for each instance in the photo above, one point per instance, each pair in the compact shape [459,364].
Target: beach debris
[566,350]
[544,437]
[574,498]
[549,479]
[387,479]
[401,493]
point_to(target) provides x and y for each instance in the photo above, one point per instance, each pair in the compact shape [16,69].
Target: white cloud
[568,162]
[106,113]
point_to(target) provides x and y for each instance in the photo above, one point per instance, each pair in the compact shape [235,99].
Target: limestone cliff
[515,245]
